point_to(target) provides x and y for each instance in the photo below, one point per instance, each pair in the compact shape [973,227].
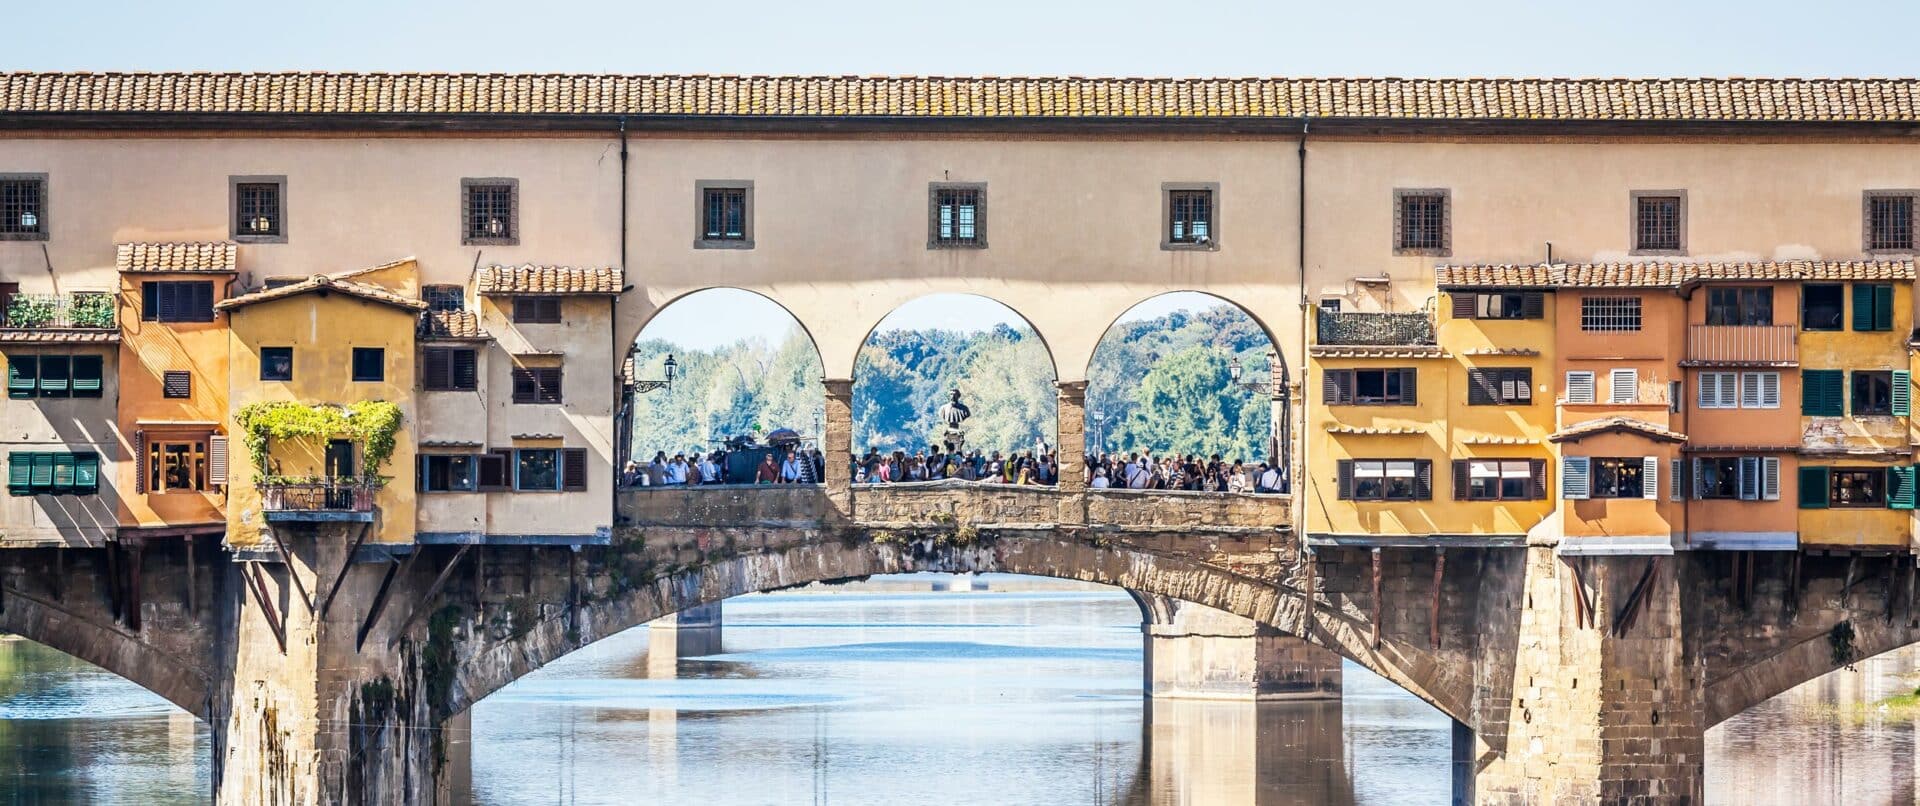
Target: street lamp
[673,368]
[1099,430]
[1235,372]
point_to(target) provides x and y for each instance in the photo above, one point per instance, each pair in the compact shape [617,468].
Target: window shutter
[149,302]
[1479,388]
[42,471]
[20,473]
[1674,482]
[62,473]
[1345,479]
[168,307]
[140,460]
[1902,393]
[1533,305]
[53,375]
[1883,307]
[1750,481]
[1821,392]
[1423,479]
[1580,387]
[1813,487]
[23,375]
[1574,484]
[1699,479]
[217,460]
[1410,387]
[88,371]
[1709,393]
[1523,385]
[466,373]
[1463,304]
[1769,390]
[1538,470]
[1900,493]
[436,369]
[525,389]
[1770,478]
[1650,478]
[1624,386]
[1863,307]
[1336,386]
[200,306]
[86,473]
[549,378]
[1750,390]
[573,466]
[492,473]
[1459,479]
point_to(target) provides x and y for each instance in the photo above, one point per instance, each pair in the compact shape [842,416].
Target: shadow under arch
[112,648]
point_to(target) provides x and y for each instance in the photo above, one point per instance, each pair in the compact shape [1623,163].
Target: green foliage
[30,310]
[745,388]
[1163,384]
[1840,645]
[901,379]
[373,423]
[91,310]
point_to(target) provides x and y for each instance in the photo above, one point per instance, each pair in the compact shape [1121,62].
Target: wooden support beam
[258,585]
[1583,607]
[1893,562]
[1307,562]
[394,569]
[193,589]
[479,579]
[1793,586]
[60,574]
[1913,569]
[345,566]
[1630,611]
[286,558]
[113,579]
[425,602]
[1375,643]
[133,586]
[1433,616]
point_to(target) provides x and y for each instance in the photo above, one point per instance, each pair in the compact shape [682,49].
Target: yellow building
[327,363]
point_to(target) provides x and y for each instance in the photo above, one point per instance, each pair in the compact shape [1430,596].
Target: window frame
[530,309]
[1876,293]
[1168,206]
[1343,385]
[1638,210]
[153,464]
[42,230]
[701,191]
[279,235]
[263,364]
[427,460]
[1839,308]
[1854,377]
[451,378]
[1745,302]
[436,295]
[1595,464]
[74,461]
[934,192]
[1444,246]
[1589,319]
[368,353]
[1535,472]
[1418,469]
[1877,501]
[511,236]
[538,395]
[1867,242]
[519,461]
[151,307]
[1498,378]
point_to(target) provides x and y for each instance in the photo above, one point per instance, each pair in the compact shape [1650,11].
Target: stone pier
[1245,752]
[1207,654]
[690,633]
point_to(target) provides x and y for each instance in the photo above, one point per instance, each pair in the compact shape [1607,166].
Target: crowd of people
[1140,470]
[785,466]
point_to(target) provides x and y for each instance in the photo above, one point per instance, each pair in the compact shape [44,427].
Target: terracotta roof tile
[1666,274]
[1840,100]
[58,336]
[451,326]
[531,279]
[176,257]
[324,282]
[1579,431]
[1376,351]
[1355,430]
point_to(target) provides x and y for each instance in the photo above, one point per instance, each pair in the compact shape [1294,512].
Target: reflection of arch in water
[1101,390]
[639,373]
[879,423]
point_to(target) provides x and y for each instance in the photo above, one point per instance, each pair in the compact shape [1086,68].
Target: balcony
[318,500]
[82,317]
[1742,346]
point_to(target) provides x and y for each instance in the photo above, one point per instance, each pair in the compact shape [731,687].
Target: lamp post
[1278,408]
[1099,431]
[641,387]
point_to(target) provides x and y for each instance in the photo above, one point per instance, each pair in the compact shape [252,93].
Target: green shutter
[23,375]
[1813,487]
[54,370]
[1883,307]
[87,373]
[1902,393]
[20,473]
[1862,307]
[1822,392]
[63,472]
[86,473]
[1900,493]
[42,479]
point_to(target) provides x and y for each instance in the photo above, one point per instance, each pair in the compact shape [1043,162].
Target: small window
[1500,387]
[1719,390]
[55,375]
[957,217]
[1618,477]
[1421,222]
[1580,386]
[257,212]
[445,298]
[725,215]
[536,310]
[1370,387]
[490,211]
[176,466]
[1386,479]
[494,470]
[447,473]
[1889,221]
[276,363]
[42,473]
[1823,306]
[1190,217]
[1872,393]
[537,470]
[1500,479]
[23,207]
[1614,314]
[1502,305]
[1740,478]
[1330,305]
[176,384]
[176,301]
[369,364]
[449,369]
[89,375]
[1740,306]
[1858,487]
[536,384]
[1659,223]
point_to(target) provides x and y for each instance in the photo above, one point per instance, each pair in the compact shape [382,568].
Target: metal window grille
[446,298]
[257,206]
[489,212]
[1891,222]
[725,214]
[1610,313]
[176,383]
[22,203]
[1423,221]
[956,216]
[1657,225]
[1190,216]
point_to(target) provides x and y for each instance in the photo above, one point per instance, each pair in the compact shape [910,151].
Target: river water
[934,698]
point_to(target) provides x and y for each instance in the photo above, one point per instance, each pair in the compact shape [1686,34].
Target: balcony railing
[1396,329]
[85,311]
[319,499]
[1736,345]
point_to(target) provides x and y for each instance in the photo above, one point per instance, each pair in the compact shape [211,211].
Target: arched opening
[1188,391]
[71,731]
[907,424]
[719,383]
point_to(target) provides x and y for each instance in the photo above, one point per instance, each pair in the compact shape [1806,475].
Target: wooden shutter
[466,372]
[88,372]
[1650,478]
[1345,479]
[1464,304]
[1423,479]
[1883,307]
[62,473]
[1750,390]
[1902,393]
[1336,387]
[1813,487]
[168,301]
[1674,483]
[1480,388]
[549,381]
[1751,481]
[1900,493]
[436,369]
[1623,386]
[23,375]
[217,460]
[54,370]
[1821,393]
[1537,469]
[525,388]
[199,302]
[1409,387]
[86,473]
[1460,480]
[149,301]
[42,472]
[20,473]
[1574,477]
[1770,478]
[1533,305]
[1865,302]
[1580,387]
[493,473]
[140,460]
[573,468]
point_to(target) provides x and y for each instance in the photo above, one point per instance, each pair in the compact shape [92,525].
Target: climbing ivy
[374,423]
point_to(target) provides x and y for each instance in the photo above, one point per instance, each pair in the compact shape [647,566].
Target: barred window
[725,214]
[1657,224]
[23,208]
[490,211]
[446,298]
[1421,221]
[1610,313]
[1189,216]
[257,208]
[1890,221]
[958,216]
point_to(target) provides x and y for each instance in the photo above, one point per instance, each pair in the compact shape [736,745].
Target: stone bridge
[1570,679]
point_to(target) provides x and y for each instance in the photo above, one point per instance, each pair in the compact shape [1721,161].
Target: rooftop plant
[372,423]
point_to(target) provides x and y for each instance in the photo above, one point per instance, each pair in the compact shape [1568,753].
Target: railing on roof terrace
[1752,345]
[1400,329]
[80,311]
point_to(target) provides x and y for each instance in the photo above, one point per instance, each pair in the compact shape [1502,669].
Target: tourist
[1269,479]
[657,469]
[767,472]
[630,476]
[791,471]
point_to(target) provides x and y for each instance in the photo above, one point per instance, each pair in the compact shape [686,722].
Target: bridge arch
[112,647]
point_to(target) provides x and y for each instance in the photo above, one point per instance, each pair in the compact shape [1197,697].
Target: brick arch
[110,647]
[1804,661]
[1143,574]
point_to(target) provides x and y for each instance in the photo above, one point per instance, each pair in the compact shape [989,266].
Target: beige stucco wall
[583,419]
[62,425]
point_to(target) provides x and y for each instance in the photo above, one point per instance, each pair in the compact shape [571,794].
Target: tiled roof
[451,326]
[530,279]
[1665,274]
[320,282]
[215,256]
[1527,99]
[1579,431]
[1492,439]
[1355,430]
[1789,448]
[1511,352]
[58,336]
[1377,351]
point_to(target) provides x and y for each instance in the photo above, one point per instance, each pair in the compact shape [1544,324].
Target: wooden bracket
[1375,643]
[1630,612]
[286,558]
[345,566]
[394,569]
[133,586]
[1433,617]
[261,597]
[425,602]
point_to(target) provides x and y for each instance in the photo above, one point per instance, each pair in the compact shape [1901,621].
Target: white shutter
[1650,478]
[1770,478]
[1699,479]
[1580,387]
[1769,390]
[1625,386]
[1729,390]
[1709,393]
[1574,482]
[1750,390]
[1673,479]
[1750,478]
[217,460]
